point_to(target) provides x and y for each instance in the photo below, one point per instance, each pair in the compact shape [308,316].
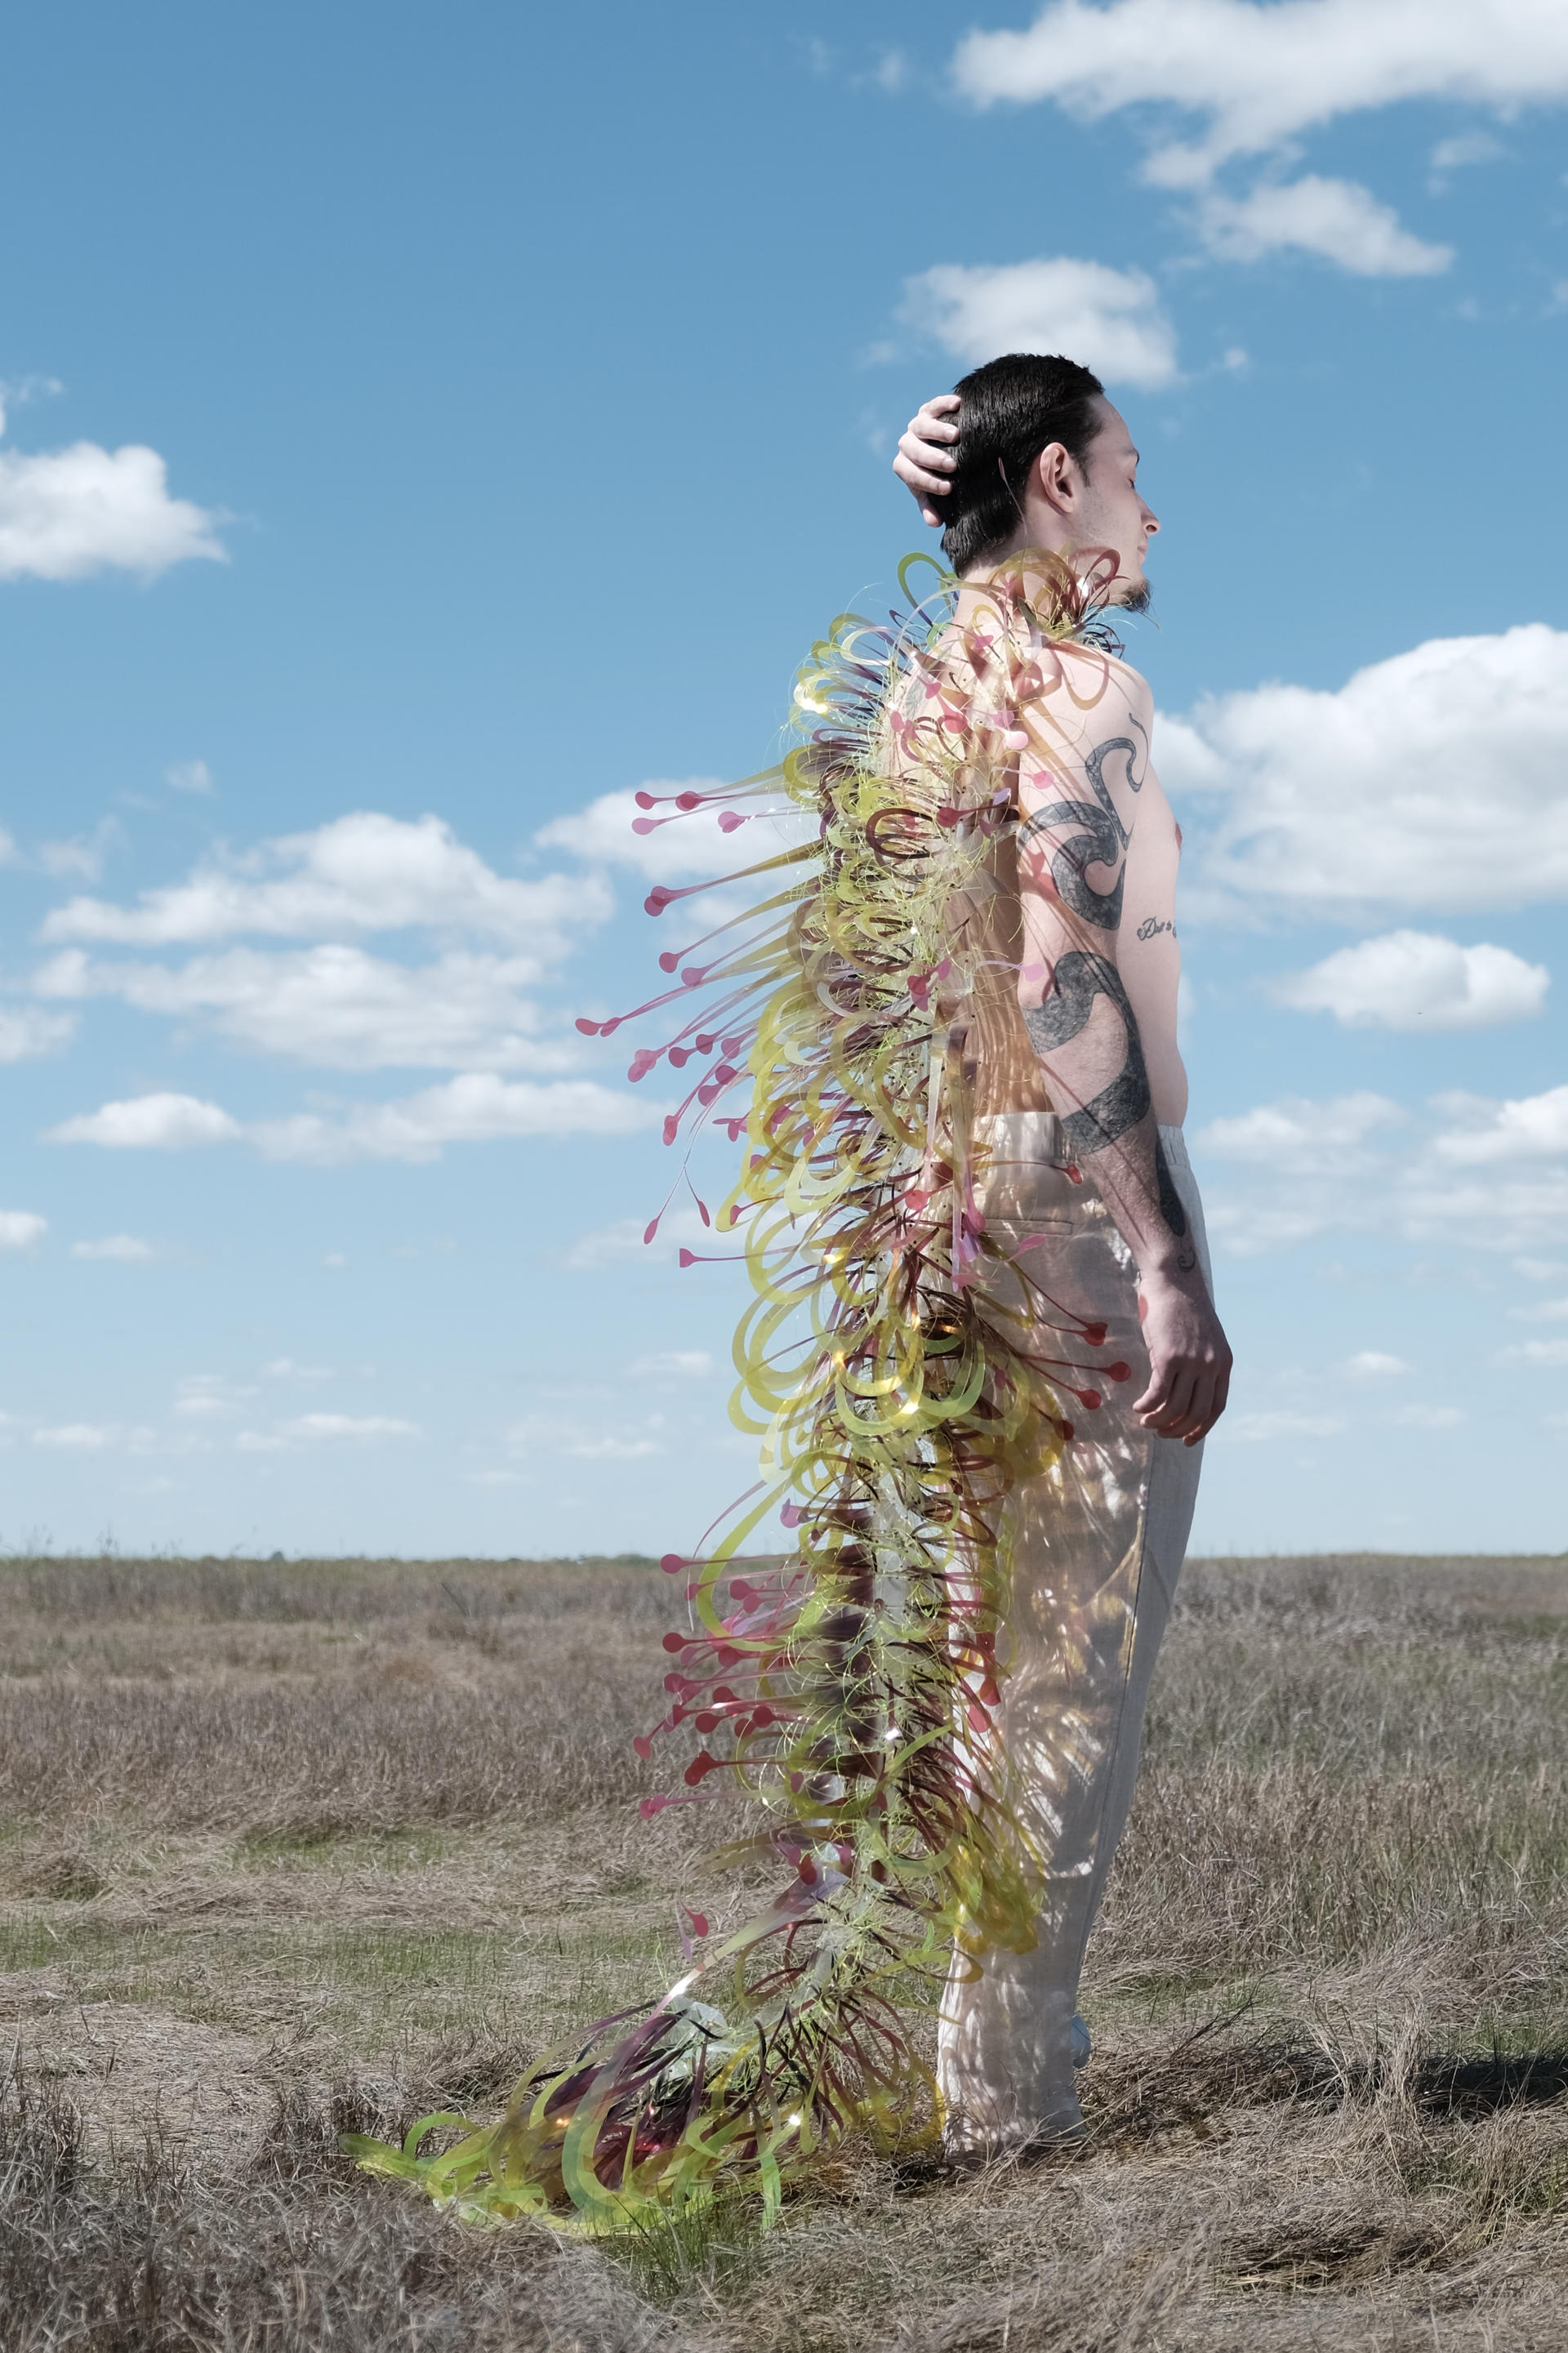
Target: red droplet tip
[644,800]
[589,1028]
[671,1562]
[688,1258]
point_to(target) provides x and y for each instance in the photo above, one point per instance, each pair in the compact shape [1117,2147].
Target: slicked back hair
[1012,409]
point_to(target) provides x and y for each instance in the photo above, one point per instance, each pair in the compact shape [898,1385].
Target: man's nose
[1151,522]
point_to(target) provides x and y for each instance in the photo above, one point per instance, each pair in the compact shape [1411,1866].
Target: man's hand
[1189,1359]
[925,459]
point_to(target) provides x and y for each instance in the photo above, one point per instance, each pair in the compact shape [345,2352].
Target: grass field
[291,1848]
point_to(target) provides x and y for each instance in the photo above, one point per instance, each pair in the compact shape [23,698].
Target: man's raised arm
[1078,805]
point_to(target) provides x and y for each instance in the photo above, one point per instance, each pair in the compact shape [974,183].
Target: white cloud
[546,1440]
[365,872]
[1429,1417]
[336,1005]
[1261,75]
[190,777]
[82,855]
[284,1369]
[157,1122]
[1548,1311]
[1462,1180]
[1336,219]
[1255,1428]
[672,846]
[681,1363]
[1469,147]
[1110,320]
[29,1032]
[208,1397]
[476,1108]
[1436,779]
[21,1229]
[91,1437]
[1533,1127]
[355,1429]
[617,1244]
[1418,980]
[1295,1135]
[67,513]
[127,1250]
[1372,1365]
[1548,1356]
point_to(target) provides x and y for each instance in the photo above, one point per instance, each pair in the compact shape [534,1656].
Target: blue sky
[425,427]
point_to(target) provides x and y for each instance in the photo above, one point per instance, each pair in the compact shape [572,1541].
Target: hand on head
[925,457]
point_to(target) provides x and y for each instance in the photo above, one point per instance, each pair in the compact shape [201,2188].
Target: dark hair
[1013,409]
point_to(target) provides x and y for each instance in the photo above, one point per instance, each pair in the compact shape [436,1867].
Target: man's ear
[1056,476]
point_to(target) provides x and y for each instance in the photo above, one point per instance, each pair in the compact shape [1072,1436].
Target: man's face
[1114,515]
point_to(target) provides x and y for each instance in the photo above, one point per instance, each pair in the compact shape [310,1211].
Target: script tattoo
[1102,840]
[1081,978]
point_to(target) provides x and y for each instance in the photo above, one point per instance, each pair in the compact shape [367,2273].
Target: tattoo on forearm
[1100,842]
[1080,978]
[1171,1208]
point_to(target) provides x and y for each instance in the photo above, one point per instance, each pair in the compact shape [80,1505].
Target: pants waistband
[1038,1136]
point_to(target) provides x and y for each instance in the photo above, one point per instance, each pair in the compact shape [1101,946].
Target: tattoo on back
[1102,840]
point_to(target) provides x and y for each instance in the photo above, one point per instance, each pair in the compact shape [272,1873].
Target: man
[980,1355]
[1088,1188]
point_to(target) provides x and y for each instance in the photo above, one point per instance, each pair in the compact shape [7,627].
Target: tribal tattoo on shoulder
[1101,839]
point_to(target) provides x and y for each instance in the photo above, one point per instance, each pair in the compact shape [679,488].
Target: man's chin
[1130,595]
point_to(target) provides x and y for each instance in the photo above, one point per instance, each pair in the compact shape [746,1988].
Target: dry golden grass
[287,1847]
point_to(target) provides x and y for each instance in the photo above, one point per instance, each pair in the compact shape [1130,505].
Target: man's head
[1044,461]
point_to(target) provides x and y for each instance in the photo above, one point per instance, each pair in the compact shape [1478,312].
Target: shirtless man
[1090,1188]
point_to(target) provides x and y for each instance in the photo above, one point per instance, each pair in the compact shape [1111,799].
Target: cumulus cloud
[678,1364]
[1296,1134]
[477,1107]
[1548,1356]
[622,1241]
[124,1250]
[27,1032]
[1253,1429]
[1533,1127]
[603,1435]
[1375,1365]
[1111,320]
[671,846]
[155,1123]
[1336,219]
[1475,1174]
[365,872]
[1436,779]
[208,1397]
[326,1430]
[1429,1417]
[1418,980]
[336,1005]
[21,1229]
[67,513]
[190,777]
[1258,76]
[92,1437]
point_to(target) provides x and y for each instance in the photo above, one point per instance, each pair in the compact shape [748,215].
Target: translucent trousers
[1097,1544]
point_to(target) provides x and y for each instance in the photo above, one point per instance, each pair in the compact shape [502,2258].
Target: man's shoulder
[1107,681]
